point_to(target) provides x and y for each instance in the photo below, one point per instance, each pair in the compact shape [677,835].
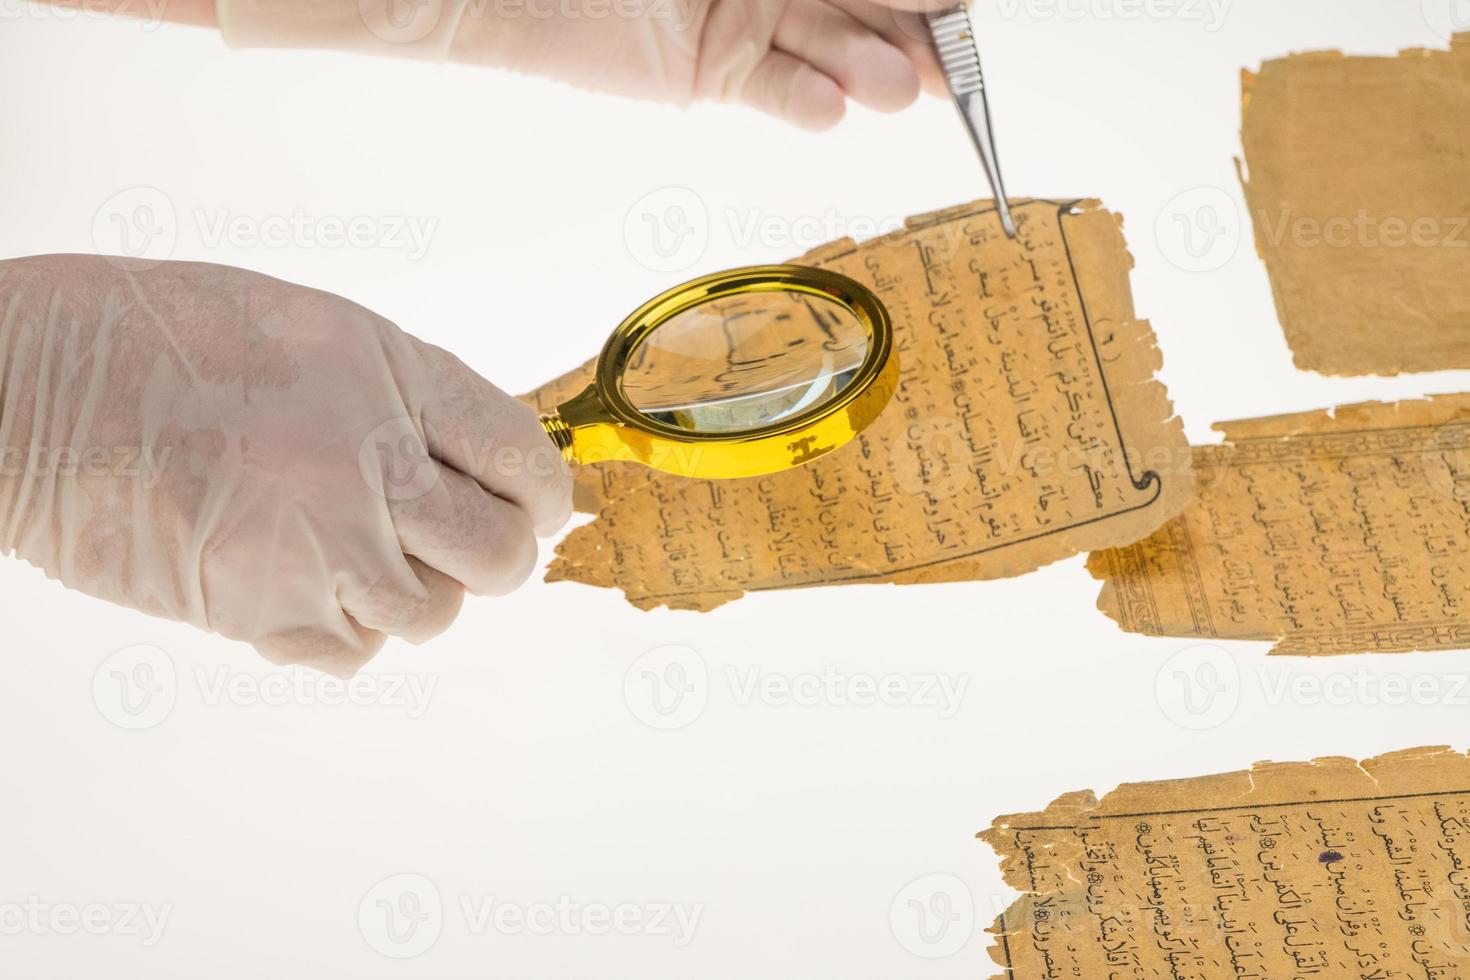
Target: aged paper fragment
[1359,190]
[1027,427]
[1329,533]
[1330,869]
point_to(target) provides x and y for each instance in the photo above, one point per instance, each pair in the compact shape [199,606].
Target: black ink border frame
[1140,481]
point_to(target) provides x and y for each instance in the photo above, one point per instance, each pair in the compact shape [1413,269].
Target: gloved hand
[796,59]
[266,461]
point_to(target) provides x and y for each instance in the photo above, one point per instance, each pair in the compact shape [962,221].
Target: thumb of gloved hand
[269,462]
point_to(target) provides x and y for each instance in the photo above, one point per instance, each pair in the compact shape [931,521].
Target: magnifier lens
[737,363]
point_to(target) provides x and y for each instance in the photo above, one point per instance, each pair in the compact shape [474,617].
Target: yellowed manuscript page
[1027,427]
[1359,190]
[1344,532]
[1328,870]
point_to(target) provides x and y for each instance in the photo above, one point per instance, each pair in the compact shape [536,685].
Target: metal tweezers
[954,38]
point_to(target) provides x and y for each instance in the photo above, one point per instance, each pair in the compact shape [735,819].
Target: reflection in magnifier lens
[743,362]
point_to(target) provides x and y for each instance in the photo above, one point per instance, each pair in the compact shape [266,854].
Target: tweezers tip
[1006,221]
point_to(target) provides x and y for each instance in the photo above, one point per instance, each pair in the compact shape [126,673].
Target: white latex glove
[796,59]
[266,461]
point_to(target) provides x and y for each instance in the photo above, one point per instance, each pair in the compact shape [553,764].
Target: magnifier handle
[560,435]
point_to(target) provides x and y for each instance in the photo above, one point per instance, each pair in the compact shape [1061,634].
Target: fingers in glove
[919,5]
[868,68]
[494,439]
[339,647]
[415,602]
[907,31]
[471,535]
[789,88]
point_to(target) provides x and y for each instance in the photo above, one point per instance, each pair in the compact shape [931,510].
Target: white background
[264,829]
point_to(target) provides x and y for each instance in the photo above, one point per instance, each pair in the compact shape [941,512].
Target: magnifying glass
[739,373]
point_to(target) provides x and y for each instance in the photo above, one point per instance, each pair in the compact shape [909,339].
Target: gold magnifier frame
[601,424]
